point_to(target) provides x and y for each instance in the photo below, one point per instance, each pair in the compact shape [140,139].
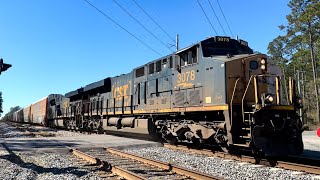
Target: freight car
[38,113]
[215,92]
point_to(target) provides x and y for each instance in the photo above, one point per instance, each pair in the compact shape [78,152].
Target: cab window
[254,65]
[188,57]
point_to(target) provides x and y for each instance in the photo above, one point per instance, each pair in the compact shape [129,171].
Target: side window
[151,68]
[177,61]
[164,61]
[188,57]
[194,55]
[158,66]
[140,72]
[171,62]
[184,59]
[190,60]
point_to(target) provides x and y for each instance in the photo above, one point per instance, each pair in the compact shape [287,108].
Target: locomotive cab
[261,118]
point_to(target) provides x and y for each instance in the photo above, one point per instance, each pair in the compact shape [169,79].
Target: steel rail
[299,167]
[179,170]
[114,169]
[250,159]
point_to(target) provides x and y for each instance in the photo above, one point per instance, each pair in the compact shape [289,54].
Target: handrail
[244,94]
[260,75]
[234,89]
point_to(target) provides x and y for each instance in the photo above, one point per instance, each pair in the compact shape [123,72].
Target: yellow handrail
[244,94]
[256,98]
[234,89]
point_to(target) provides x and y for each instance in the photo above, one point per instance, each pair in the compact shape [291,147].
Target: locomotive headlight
[268,99]
[263,67]
[263,61]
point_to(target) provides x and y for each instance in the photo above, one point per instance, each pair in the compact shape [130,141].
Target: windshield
[213,46]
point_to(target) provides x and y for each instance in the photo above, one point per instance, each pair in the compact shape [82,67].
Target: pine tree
[300,46]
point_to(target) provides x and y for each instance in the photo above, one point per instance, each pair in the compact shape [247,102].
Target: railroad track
[114,164]
[291,163]
[131,166]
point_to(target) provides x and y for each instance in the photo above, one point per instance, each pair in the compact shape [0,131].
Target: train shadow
[38,144]
[15,159]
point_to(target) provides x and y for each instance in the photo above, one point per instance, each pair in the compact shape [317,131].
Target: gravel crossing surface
[226,169]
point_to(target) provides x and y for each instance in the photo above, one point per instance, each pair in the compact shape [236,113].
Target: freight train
[215,92]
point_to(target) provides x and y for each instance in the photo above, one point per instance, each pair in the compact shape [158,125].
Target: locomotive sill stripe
[186,109]
[120,112]
[279,107]
[207,108]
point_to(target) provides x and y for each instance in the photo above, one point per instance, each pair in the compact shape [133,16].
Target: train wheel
[170,139]
[224,149]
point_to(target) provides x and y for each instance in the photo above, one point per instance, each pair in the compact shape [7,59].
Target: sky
[57,46]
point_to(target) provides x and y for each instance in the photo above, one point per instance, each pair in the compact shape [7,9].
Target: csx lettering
[186,76]
[120,91]
[65,104]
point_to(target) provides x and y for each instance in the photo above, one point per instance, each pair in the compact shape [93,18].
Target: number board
[243,43]
[222,39]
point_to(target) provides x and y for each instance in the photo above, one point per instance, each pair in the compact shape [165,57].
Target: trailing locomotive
[215,92]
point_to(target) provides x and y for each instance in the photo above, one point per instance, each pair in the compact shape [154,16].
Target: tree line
[297,54]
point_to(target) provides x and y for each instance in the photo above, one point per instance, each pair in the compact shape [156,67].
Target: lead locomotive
[215,92]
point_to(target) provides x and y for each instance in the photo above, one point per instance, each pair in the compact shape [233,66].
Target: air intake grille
[194,97]
[179,98]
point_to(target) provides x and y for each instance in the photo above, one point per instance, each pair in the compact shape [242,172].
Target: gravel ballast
[36,165]
[226,169]
[7,131]
[53,132]
[42,167]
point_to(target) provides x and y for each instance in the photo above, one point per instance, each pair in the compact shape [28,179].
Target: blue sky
[58,46]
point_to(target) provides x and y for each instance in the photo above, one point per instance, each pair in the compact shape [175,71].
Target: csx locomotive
[215,92]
